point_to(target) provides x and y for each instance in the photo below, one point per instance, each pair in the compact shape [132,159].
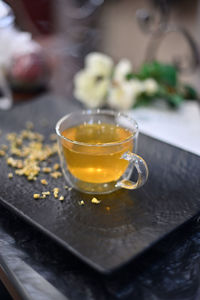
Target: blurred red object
[34,16]
[27,67]
[40,13]
[28,72]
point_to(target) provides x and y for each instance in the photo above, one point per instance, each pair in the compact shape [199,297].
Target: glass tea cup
[97,150]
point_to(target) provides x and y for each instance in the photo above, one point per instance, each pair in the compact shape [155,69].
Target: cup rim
[97,111]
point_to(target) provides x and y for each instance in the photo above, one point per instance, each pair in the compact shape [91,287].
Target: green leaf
[169,89]
[144,100]
[163,73]
[189,92]
[130,76]
[174,100]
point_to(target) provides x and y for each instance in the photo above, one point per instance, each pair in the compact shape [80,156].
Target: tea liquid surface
[98,160]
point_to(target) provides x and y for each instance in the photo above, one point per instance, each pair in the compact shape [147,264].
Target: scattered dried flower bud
[2,152]
[43,181]
[55,195]
[11,136]
[56,174]
[81,202]
[46,170]
[56,167]
[95,201]
[46,193]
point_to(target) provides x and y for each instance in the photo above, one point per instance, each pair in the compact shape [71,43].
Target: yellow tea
[95,151]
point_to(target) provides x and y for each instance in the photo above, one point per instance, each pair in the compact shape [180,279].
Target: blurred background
[67,30]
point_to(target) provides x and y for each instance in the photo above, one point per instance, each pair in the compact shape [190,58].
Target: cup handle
[142,170]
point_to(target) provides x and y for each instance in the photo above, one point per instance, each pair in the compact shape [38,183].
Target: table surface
[34,267]
[179,127]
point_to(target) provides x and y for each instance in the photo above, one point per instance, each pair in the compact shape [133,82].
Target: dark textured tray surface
[136,219]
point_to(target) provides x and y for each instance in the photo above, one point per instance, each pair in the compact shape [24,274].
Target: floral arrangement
[101,83]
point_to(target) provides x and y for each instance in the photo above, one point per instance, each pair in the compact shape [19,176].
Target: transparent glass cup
[100,167]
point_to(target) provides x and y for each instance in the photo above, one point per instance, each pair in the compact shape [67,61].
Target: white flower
[99,64]
[150,86]
[137,86]
[123,95]
[123,68]
[90,89]
[91,84]
[120,97]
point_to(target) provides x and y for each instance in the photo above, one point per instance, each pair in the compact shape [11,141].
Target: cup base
[96,188]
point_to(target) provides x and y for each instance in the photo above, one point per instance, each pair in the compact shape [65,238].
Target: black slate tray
[104,238]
